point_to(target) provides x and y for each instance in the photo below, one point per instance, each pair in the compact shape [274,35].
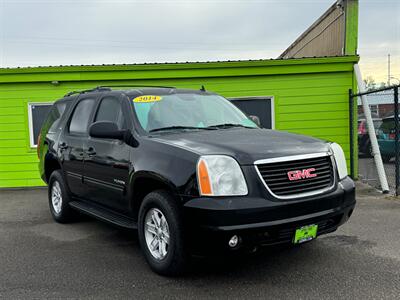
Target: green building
[301,93]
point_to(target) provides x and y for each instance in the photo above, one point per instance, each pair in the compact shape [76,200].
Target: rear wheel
[161,233]
[59,199]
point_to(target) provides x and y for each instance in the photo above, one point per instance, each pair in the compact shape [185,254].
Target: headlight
[340,160]
[220,175]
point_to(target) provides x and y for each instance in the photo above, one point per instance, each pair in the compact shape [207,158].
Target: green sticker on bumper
[305,234]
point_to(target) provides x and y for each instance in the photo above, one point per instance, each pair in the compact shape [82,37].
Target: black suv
[190,171]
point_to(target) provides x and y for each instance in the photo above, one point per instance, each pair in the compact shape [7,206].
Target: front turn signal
[204,179]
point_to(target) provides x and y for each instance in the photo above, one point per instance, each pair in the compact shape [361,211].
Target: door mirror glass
[256,120]
[106,130]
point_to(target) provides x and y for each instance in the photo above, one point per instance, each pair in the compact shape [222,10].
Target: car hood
[244,144]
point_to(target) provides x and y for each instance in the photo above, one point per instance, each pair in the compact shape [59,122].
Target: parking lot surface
[41,259]
[369,174]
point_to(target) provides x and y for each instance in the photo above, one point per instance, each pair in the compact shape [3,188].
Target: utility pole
[388,82]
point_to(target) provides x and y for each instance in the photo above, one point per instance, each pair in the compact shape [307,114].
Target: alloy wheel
[56,197]
[156,232]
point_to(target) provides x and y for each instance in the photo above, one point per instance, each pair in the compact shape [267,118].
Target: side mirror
[106,130]
[255,119]
[109,130]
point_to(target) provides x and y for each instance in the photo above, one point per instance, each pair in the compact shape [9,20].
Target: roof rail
[96,89]
[137,85]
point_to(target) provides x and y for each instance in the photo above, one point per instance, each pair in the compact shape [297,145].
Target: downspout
[376,153]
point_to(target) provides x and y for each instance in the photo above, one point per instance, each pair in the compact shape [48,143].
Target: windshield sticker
[147,99]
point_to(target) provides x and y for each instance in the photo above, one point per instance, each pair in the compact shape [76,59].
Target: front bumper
[259,221]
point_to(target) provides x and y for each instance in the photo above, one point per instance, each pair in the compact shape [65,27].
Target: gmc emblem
[301,174]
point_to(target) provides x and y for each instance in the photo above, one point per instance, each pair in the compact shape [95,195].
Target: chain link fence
[383,104]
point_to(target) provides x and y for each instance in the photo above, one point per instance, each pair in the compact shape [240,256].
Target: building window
[37,113]
[262,107]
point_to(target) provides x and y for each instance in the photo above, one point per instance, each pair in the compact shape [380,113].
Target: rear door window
[81,116]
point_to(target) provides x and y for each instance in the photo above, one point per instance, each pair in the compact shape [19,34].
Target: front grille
[276,178]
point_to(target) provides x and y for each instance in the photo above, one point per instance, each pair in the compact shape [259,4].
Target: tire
[59,199]
[386,158]
[160,223]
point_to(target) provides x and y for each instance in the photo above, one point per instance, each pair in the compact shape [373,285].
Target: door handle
[63,145]
[91,151]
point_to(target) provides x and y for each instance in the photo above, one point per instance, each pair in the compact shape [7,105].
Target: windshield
[188,111]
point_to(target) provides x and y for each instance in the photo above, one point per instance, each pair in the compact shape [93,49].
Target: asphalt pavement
[42,259]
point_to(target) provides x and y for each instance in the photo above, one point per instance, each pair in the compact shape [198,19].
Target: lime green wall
[311,97]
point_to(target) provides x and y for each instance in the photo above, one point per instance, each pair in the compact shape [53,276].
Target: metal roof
[167,63]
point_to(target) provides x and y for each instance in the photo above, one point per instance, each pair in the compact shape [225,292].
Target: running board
[104,214]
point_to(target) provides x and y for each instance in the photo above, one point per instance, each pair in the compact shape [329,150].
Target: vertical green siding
[310,97]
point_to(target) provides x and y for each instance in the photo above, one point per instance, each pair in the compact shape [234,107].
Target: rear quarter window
[55,114]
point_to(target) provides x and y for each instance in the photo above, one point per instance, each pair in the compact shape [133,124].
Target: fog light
[234,241]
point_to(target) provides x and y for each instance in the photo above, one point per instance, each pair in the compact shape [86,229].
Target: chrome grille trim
[290,158]
[295,158]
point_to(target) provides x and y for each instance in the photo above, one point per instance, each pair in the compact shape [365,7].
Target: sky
[74,32]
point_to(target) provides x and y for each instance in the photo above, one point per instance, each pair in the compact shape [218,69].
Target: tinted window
[80,118]
[55,114]
[110,110]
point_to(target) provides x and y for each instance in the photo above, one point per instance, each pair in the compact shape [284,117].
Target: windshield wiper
[228,125]
[178,127]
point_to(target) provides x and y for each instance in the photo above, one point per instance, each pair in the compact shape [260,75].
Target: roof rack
[137,85]
[96,89]
[108,88]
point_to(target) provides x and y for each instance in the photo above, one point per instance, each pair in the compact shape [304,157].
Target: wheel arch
[51,164]
[144,183]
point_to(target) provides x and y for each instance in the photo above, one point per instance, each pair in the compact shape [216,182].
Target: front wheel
[161,233]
